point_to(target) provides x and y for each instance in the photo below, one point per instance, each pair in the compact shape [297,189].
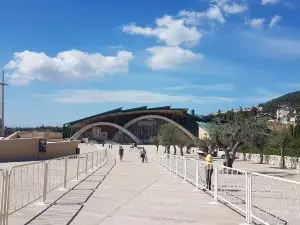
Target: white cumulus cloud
[205,87]
[129,96]
[164,57]
[257,23]
[231,7]
[28,66]
[172,32]
[274,21]
[266,2]
[234,8]
[194,17]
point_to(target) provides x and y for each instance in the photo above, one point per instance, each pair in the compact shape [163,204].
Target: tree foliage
[282,138]
[155,140]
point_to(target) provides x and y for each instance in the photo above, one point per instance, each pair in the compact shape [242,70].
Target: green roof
[143,108]
[206,126]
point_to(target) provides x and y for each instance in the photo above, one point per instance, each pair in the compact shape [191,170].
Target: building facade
[132,125]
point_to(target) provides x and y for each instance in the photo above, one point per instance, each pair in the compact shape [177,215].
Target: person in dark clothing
[121,153]
[143,155]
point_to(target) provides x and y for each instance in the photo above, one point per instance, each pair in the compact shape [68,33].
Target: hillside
[291,100]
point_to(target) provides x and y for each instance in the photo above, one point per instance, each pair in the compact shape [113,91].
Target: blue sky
[69,59]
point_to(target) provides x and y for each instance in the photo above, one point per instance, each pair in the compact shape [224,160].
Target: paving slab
[143,193]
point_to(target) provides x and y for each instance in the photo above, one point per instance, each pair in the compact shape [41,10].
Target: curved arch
[82,130]
[189,134]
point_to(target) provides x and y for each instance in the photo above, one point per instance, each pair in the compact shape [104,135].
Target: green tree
[155,140]
[258,135]
[231,136]
[167,136]
[282,138]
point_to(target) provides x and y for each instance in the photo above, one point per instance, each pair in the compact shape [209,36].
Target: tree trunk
[156,148]
[175,150]
[244,156]
[188,150]
[282,163]
[168,149]
[261,156]
[181,151]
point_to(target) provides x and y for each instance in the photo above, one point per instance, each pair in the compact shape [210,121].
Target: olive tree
[231,136]
[258,136]
[167,136]
[155,140]
[282,138]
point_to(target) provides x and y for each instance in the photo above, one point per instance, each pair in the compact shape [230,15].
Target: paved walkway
[137,193]
[134,193]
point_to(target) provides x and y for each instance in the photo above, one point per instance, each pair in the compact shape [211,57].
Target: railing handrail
[276,178]
[96,158]
[245,201]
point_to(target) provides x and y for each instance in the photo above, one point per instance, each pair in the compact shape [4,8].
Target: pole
[2,122]
[45,187]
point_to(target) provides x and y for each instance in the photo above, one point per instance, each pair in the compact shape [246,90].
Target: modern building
[133,125]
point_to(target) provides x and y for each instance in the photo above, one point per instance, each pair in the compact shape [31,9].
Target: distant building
[257,108]
[287,115]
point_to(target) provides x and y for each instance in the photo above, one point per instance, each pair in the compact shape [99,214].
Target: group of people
[142,154]
[207,157]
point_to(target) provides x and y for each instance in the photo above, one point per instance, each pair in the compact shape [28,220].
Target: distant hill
[291,100]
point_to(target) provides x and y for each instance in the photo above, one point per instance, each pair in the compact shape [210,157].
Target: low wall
[60,149]
[290,162]
[47,135]
[16,150]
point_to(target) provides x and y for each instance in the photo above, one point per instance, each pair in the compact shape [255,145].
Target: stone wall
[290,162]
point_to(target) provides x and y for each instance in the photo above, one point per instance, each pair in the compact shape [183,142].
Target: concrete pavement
[137,193]
[128,192]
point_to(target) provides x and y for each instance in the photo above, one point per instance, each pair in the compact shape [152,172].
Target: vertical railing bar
[216,184]
[66,172]
[197,176]
[45,186]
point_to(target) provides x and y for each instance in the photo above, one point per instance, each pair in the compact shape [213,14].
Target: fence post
[216,184]
[66,172]
[6,197]
[97,162]
[78,164]
[176,166]
[197,175]
[170,163]
[86,162]
[185,170]
[45,187]
[92,160]
[249,198]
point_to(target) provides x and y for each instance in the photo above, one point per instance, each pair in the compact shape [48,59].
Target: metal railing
[266,199]
[274,200]
[26,183]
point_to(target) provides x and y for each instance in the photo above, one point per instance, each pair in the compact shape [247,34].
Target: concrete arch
[82,130]
[189,134]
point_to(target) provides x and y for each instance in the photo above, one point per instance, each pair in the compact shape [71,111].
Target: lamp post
[2,122]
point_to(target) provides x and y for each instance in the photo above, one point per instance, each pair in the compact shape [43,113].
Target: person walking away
[208,168]
[121,153]
[143,154]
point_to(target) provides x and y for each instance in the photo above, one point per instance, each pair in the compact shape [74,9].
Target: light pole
[2,122]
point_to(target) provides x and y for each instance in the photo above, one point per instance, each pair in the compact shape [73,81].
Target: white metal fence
[265,199]
[26,183]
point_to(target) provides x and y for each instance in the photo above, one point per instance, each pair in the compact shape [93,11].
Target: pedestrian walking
[208,167]
[143,155]
[121,153]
